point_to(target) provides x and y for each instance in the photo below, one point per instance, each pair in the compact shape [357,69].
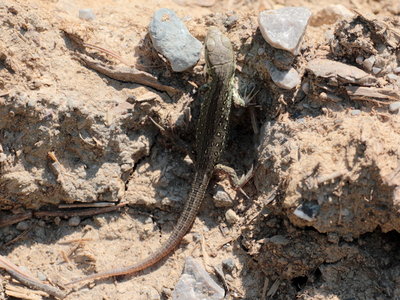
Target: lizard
[210,140]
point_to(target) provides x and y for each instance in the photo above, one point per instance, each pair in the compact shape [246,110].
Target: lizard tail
[183,225]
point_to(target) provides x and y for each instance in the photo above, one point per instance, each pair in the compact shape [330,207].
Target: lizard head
[219,55]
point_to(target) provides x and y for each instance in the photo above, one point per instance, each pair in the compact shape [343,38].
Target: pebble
[231,217]
[195,283]
[57,220]
[376,70]
[41,276]
[284,79]
[307,211]
[74,221]
[394,107]
[396,70]
[284,28]
[355,112]
[173,40]
[359,60]
[231,20]
[330,15]
[228,264]
[86,14]
[22,226]
[368,63]
[222,199]
[393,77]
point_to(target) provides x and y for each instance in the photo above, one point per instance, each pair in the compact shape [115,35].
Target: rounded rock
[284,28]
[231,217]
[74,221]
[173,40]
[394,107]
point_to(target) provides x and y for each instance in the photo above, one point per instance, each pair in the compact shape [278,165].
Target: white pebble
[394,107]
[231,217]
[369,63]
[359,60]
[376,70]
[86,14]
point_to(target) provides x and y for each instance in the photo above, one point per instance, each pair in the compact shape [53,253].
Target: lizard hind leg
[237,183]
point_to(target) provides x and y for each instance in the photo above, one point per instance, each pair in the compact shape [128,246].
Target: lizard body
[210,139]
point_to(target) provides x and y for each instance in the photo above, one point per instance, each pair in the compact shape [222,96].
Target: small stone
[394,107]
[228,264]
[86,14]
[231,217]
[57,220]
[369,63]
[376,70]
[41,276]
[284,79]
[396,70]
[74,221]
[355,112]
[231,20]
[330,15]
[173,40]
[195,283]
[284,28]
[305,87]
[42,223]
[222,199]
[22,226]
[359,60]
[393,77]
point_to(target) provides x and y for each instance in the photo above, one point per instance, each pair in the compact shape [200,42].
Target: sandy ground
[104,148]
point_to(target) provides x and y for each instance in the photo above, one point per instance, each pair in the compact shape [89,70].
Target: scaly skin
[210,140]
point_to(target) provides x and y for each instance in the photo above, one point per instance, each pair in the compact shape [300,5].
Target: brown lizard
[210,139]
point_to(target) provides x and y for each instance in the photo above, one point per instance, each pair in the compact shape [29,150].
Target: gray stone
[284,28]
[41,276]
[195,283]
[369,63]
[393,77]
[86,14]
[231,217]
[338,71]
[355,112]
[394,107]
[222,199]
[287,79]
[359,60]
[172,39]
[376,70]
[396,70]
[22,226]
[74,221]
